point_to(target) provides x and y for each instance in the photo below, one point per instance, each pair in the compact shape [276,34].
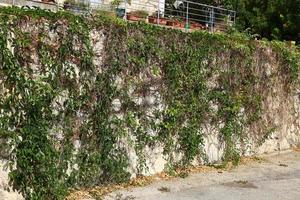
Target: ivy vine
[68,122]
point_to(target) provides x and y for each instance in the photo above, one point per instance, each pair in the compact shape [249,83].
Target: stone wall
[4,193]
[277,129]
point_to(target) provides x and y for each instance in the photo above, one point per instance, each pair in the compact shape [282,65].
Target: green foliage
[39,160]
[276,19]
[58,111]
[76,4]
[140,13]
[290,57]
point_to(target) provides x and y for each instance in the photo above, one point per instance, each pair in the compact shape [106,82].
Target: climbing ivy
[70,121]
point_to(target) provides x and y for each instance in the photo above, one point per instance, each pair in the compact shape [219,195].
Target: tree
[272,19]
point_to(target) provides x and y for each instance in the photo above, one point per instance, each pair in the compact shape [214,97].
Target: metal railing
[182,14]
[179,14]
[213,18]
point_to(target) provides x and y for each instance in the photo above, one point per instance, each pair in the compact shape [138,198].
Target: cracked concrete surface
[277,177]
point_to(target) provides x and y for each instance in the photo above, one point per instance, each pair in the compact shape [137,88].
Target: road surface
[276,177]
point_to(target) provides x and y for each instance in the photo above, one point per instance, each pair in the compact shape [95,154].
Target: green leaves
[68,123]
[38,162]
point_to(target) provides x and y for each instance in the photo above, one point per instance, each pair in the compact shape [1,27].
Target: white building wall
[151,6]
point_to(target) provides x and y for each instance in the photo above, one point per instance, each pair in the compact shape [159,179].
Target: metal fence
[178,14]
[182,14]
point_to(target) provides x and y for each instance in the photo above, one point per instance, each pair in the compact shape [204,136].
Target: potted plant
[105,13]
[69,4]
[75,5]
[176,22]
[115,5]
[196,25]
[138,15]
[153,19]
[83,5]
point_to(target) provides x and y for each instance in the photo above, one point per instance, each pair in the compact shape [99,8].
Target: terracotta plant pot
[163,21]
[183,25]
[170,23]
[48,1]
[155,20]
[196,26]
[176,24]
[151,20]
[131,17]
[179,24]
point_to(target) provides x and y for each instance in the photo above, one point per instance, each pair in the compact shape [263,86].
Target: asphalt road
[276,177]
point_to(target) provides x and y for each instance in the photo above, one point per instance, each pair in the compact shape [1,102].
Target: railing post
[187,17]
[211,19]
[125,7]
[158,11]
[90,10]
[57,6]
